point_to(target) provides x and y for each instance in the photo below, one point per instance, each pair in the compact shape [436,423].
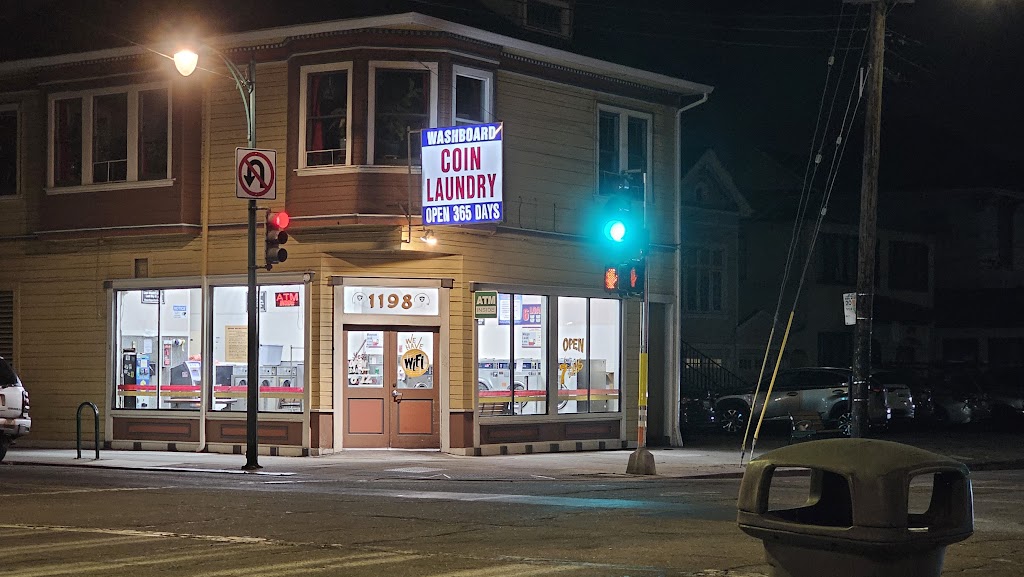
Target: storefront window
[516,361]
[281,368]
[159,335]
[588,355]
[512,360]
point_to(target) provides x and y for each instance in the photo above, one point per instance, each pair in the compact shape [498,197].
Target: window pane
[469,100]
[160,338]
[365,359]
[605,372]
[529,395]
[636,137]
[493,354]
[573,377]
[415,360]
[67,150]
[153,134]
[8,152]
[282,337]
[608,152]
[401,103]
[110,138]
[326,118]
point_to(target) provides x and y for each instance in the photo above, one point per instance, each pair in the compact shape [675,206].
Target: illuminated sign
[391,301]
[462,174]
[287,299]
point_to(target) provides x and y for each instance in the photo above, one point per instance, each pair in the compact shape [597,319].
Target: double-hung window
[119,135]
[403,97]
[8,150]
[472,92]
[703,280]
[624,146]
[326,97]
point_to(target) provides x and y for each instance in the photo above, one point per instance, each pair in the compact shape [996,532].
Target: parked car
[898,394]
[821,390]
[14,405]
[957,396]
[1005,389]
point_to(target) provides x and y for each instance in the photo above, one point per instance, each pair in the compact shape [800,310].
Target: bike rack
[78,429]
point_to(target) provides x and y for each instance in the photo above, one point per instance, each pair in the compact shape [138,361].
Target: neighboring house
[980,279]
[125,245]
[767,193]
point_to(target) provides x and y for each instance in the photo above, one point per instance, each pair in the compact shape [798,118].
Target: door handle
[839,391]
[791,394]
[397,395]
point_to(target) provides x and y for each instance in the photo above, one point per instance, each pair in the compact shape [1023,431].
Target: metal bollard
[78,428]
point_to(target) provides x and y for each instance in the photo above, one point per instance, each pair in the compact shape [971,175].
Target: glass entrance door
[390,396]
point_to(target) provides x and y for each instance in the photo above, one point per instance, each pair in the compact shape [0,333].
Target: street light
[186,61]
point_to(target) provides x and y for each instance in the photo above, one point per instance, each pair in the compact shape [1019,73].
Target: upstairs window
[472,92]
[838,259]
[550,16]
[703,280]
[624,144]
[110,136]
[326,99]
[8,151]
[908,266]
[402,98]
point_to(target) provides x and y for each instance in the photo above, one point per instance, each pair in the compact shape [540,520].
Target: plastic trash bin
[857,520]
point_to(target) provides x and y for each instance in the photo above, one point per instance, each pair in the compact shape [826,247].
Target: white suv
[14,419]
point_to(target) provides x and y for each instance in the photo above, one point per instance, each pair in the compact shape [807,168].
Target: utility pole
[868,218]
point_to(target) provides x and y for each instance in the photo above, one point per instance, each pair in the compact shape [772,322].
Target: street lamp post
[186,61]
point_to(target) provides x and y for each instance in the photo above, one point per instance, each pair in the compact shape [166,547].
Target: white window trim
[17,149]
[375,65]
[304,73]
[624,115]
[487,97]
[87,96]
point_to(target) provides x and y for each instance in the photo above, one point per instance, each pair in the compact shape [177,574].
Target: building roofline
[408,19]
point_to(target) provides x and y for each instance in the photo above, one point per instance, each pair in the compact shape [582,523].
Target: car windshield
[7,376]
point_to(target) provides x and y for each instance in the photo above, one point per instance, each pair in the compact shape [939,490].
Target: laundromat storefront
[180,363]
[549,370]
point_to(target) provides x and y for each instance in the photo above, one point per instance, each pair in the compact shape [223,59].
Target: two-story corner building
[125,243]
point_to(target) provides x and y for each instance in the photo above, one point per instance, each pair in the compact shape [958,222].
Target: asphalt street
[418,521]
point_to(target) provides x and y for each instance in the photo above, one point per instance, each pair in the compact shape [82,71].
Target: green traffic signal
[615,230]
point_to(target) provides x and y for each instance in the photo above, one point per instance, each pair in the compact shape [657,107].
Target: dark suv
[821,390]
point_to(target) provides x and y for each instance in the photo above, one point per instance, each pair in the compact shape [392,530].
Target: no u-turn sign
[256,174]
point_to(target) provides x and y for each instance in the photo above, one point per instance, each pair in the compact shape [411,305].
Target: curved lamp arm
[186,61]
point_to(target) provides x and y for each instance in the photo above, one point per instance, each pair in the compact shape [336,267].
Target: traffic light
[635,276]
[276,236]
[618,225]
[611,279]
[626,279]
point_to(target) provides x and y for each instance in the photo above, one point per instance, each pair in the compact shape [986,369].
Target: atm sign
[288,299]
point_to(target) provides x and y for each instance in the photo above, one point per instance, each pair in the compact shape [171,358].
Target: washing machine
[492,375]
[529,376]
[239,378]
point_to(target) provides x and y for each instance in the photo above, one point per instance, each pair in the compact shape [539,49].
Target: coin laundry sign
[462,174]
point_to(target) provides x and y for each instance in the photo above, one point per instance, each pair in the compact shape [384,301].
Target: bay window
[326,98]
[110,136]
[472,95]
[403,97]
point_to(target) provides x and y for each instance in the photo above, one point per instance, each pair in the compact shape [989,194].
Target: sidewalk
[713,456]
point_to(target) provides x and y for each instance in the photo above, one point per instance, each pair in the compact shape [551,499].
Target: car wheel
[840,420]
[733,418]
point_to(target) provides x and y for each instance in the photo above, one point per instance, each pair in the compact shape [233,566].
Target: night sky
[952,93]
